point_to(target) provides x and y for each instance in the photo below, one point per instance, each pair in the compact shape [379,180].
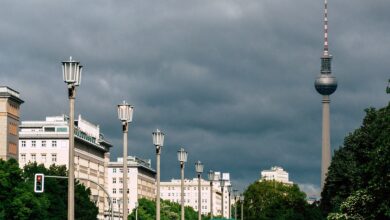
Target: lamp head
[71,72]
[125,112]
[182,155]
[158,138]
[199,167]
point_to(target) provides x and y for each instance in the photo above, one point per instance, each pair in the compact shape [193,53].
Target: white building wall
[46,146]
[171,191]
[134,183]
[277,174]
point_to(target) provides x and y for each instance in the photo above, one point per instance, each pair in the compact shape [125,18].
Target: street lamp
[71,73]
[199,171]
[125,114]
[235,203]
[222,183]
[242,206]
[158,141]
[211,179]
[182,157]
[136,210]
[230,188]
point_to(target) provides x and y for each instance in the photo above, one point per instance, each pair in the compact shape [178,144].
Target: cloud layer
[230,81]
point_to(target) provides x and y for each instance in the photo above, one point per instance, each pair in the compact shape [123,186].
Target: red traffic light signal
[39,182]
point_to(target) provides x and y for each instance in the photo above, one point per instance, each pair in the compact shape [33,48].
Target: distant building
[141,182]
[275,173]
[171,191]
[9,122]
[47,142]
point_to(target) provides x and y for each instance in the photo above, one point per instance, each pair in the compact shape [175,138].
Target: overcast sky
[231,81]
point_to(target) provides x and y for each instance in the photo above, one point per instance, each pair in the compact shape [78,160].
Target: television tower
[325,84]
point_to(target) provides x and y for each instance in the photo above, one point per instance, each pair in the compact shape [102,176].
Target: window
[43,143]
[43,157]
[113,170]
[120,190]
[114,190]
[120,180]
[54,143]
[121,170]
[114,180]
[114,200]
[23,143]
[33,157]
[33,143]
[23,157]
[53,157]
[49,129]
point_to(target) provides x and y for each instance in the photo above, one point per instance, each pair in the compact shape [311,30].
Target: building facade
[277,174]
[47,142]
[9,122]
[141,182]
[171,191]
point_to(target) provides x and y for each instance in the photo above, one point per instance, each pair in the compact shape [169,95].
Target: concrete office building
[277,174]
[47,142]
[9,122]
[141,182]
[171,191]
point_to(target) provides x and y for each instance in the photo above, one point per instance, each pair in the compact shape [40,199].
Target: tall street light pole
[211,179]
[222,183]
[158,141]
[71,72]
[182,157]
[125,114]
[235,203]
[199,171]
[242,206]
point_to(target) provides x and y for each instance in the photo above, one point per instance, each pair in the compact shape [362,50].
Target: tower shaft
[325,138]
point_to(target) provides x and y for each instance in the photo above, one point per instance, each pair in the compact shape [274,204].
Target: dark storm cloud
[231,81]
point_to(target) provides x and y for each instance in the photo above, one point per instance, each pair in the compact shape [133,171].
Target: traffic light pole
[108,195]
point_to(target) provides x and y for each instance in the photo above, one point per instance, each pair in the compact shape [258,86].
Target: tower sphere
[325,84]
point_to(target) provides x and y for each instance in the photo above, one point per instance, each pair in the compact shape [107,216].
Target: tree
[358,181]
[275,200]
[18,200]
[169,211]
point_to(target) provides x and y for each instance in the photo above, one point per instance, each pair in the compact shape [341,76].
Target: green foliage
[358,182]
[18,200]
[274,200]
[169,211]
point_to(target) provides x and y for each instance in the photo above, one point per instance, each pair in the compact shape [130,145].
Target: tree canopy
[275,200]
[358,181]
[18,200]
[169,211]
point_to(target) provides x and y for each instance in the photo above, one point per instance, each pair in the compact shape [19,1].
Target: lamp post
[182,157]
[136,210]
[119,208]
[235,203]
[125,114]
[158,141]
[242,206]
[199,171]
[211,179]
[71,73]
[230,188]
[222,183]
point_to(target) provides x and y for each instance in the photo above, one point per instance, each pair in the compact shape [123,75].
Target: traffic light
[39,182]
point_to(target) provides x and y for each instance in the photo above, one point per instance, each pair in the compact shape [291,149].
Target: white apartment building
[47,142]
[275,173]
[141,182]
[171,191]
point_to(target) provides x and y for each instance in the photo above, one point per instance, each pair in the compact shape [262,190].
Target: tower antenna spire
[326,46]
